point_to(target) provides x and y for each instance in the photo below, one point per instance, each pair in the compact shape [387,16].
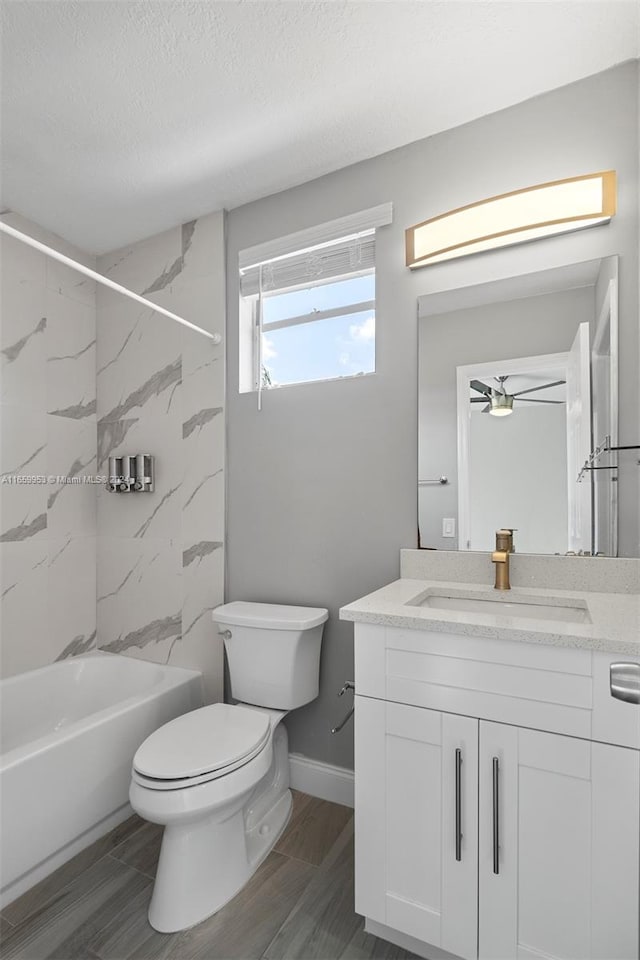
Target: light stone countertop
[614,627]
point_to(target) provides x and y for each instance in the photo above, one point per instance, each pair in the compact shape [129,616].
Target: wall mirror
[517,386]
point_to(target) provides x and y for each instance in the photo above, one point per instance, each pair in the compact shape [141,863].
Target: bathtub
[68,733]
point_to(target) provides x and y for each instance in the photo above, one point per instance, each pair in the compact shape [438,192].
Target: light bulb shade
[501,405]
[541,211]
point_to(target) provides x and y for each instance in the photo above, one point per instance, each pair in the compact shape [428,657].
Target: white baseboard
[321,780]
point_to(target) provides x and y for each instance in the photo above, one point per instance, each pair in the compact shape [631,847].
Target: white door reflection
[513,456]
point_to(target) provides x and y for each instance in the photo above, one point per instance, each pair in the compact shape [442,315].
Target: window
[307,312]
[319,333]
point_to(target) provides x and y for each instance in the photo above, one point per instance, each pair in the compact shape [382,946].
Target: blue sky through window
[323,296]
[320,349]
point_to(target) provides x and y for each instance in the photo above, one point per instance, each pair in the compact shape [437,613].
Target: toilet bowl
[217,778]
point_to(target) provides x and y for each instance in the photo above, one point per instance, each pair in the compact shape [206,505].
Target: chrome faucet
[500,556]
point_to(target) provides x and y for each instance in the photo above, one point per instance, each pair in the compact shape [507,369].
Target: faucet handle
[504,538]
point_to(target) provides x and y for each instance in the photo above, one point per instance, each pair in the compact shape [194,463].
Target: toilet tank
[273,652]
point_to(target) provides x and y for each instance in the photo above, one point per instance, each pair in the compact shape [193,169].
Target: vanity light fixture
[501,405]
[536,212]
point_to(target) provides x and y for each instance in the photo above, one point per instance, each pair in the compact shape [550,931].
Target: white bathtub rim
[31,748]
[95,654]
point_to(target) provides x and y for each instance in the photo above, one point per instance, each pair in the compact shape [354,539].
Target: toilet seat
[201,746]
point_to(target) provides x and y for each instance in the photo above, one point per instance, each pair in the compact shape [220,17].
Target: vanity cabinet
[558,847]
[416,800]
[491,839]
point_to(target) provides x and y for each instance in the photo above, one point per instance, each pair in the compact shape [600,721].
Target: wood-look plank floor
[297,906]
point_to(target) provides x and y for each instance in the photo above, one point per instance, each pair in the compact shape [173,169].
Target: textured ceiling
[120,119]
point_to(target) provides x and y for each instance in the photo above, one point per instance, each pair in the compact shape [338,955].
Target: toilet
[217,778]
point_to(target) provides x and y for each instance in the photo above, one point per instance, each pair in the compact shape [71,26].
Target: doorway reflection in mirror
[517,378]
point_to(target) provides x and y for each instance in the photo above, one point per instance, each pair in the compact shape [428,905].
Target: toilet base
[205,863]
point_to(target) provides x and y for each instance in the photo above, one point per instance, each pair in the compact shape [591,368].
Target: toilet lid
[202,741]
[269,616]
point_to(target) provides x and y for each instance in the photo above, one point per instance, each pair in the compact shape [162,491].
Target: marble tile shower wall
[160,390]
[48,429]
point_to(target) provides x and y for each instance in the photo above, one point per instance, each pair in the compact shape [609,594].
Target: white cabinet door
[559,847]
[417,822]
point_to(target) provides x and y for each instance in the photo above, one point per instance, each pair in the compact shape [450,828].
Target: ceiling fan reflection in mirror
[500,402]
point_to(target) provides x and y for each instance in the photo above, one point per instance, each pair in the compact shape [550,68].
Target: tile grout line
[308,863]
[91,955]
[69,882]
[317,869]
[283,924]
[290,856]
[37,908]
[29,916]
[131,867]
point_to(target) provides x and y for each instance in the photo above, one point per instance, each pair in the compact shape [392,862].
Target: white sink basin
[507,608]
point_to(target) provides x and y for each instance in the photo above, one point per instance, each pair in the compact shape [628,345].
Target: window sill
[308,383]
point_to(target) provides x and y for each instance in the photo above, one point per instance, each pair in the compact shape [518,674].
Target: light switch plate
[448,526]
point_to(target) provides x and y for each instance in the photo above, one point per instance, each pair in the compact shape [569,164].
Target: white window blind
[339,248]
[339,259]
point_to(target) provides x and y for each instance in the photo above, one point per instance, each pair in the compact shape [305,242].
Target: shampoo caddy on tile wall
[131,474]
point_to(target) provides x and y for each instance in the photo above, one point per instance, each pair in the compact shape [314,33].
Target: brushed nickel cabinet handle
[496,816]
[624,681]
[458,804]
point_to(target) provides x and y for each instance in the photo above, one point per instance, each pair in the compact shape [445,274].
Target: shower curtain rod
[88,272]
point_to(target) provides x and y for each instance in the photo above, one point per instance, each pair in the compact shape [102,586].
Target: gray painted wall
[322,483]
